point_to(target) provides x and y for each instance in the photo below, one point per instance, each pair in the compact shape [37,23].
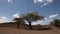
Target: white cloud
[4,19]
[10,1]
[44,2]
[49,1]
[40,0]
[53,16]
[17,15]
[35,1]
[44,5]
[45,18]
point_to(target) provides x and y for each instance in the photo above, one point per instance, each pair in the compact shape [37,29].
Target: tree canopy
[33,16]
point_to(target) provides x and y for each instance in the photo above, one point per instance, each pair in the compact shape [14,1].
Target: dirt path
[7,30]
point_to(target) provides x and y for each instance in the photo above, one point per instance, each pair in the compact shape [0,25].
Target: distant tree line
[56,22]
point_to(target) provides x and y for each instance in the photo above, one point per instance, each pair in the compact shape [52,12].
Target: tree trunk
[18,25]
[30,26]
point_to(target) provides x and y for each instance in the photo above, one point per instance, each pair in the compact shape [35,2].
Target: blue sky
[48,8]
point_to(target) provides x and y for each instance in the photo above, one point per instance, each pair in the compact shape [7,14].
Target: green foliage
[18,19]
[57,22]
[33,16]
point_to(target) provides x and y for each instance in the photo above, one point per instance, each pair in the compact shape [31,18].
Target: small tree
[57,22]
[18,21]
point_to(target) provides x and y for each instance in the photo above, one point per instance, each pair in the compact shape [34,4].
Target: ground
[9,30]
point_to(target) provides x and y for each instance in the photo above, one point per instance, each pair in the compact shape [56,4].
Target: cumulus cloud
[45,18]
[4,19]
[35,1]
[53,16]
[10,1]
[16,15]
[44,2]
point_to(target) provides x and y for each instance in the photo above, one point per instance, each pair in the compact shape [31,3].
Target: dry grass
[9,30]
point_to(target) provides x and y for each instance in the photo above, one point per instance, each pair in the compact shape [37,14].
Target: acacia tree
[18,21]
[33,16]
